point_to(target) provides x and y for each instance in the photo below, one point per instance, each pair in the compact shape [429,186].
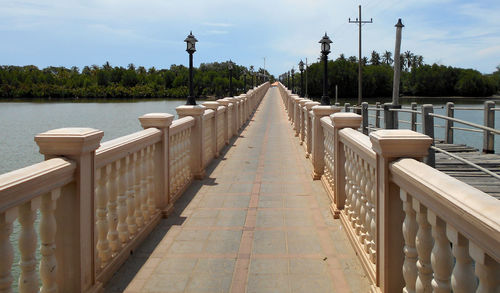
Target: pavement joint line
[240,275]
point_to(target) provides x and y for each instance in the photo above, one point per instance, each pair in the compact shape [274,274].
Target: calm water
[20,122]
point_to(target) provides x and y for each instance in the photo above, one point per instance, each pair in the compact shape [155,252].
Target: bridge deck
[469,174]
[257,223]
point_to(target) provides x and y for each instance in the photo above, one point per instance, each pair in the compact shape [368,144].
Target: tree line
[108,82]
[417,78]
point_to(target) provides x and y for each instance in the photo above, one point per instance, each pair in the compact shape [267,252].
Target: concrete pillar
[318,144]
[214,106]
[341,121]
[227,123]
[308,129]
[197,144]
[390,145]
[75,235]
[161,121]
[302,116]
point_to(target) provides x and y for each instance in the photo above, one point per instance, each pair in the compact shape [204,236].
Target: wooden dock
[469,174]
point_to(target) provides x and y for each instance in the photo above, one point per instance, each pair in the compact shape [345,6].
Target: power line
[359,21]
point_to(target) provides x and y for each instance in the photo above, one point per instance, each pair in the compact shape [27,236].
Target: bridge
[263,192]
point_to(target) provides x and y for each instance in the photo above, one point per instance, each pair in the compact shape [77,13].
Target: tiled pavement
[257,223]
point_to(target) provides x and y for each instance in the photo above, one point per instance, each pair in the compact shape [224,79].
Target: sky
[152,32]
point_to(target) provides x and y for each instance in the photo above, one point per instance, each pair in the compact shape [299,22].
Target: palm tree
[375,59]
[408,58]
[387,57]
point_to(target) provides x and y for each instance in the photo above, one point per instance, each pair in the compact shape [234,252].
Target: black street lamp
[245,79]
[301,68]
[293,78]
[325,50]
[230,66]
[288,74]
[253,76]
[191,48]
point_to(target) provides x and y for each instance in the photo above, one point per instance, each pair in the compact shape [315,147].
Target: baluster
[441,257]
[409,234]
[122,168]
[144,183]
[171,166]
[424,244]
[487,270]
[462,276]
[373,223]
[101,214]
[28,279]
[175,164]
[347,187]
[6,249]
[356,194]
[363,200]
[368,207]
[131,223]
[112,190]
[48,228]
[139,219]
[151,181]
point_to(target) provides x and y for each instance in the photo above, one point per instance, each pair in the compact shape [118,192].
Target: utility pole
[359,21]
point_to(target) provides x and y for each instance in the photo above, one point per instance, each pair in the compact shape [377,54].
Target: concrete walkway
[257,223]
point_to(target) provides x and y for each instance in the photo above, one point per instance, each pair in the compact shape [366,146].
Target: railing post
[75,208]
[364,114]
[197,143]
[162,121]
[489,121]
[302,119]
[448,124]
[428,129]
[308,129]
[346,107]
[298,116]
[234,118]
[213,106]
[414,116]
[377,115]
[318,139]
[227,123]
[341,121]
[390,145]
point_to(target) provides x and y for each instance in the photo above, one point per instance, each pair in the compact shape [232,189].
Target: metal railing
[388,113]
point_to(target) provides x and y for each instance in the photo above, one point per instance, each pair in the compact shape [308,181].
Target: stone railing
[414,228]
[97,202]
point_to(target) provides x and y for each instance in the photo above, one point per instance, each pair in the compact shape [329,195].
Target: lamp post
[325,50]
[253,76]
[191,48]
[230,67]
[301,68]
[245,81]
[293,78]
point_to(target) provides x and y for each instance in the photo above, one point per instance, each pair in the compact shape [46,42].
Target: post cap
[157,120]
[320,111]
[346,120]
[224,102]
[69,141]
[311,104]
[190,110]
[392,143]
[211,105]
[302,102]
